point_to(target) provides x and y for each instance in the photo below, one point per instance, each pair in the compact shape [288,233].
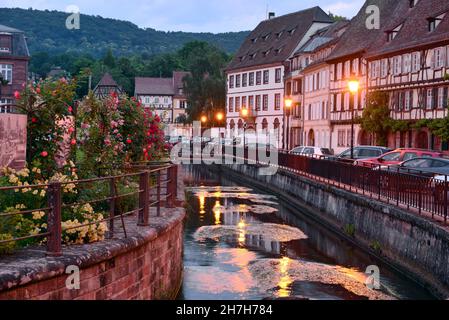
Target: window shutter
[411,99]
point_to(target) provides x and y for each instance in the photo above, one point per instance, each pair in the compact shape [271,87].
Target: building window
[416,62]
[251,102]
[408,100]
[442,97]
[398,65]
[347,69]
[258,103]
[244,105]
[6,71]
[407,63]
[339,71]
[266,77]
[251,79]
[384,68]
[278,75]
[244,80]
[438,58]
[355,67]
[258,78]
[237,104]
[430,99]
[265,102]
[5,43]
[231,104]
[6,106]
[231,82]
[374,69]
[341,138]
[237,81]
[182,104]
[277,101]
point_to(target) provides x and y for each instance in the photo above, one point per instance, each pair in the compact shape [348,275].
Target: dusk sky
[190,15]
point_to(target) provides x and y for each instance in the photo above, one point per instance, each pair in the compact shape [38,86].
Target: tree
[376,117]
[109,59]
[206,86]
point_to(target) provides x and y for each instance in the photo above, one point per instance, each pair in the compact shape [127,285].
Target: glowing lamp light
[220,116]
[245,112]
[203,119]
[288,103]
[353,86]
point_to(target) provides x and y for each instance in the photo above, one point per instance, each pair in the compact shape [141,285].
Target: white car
[311,151]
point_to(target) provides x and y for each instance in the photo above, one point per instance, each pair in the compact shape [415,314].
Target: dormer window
[266,53]
[266,37]
[292,31]
[391,35]
[434,22]
[413,3]
[279,34]
[254,40]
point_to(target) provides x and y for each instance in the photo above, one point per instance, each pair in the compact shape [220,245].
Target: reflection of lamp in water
[242,233]
[217,212]
[285,280]
[202,198]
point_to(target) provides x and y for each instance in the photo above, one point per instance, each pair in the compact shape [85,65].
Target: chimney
[271,15]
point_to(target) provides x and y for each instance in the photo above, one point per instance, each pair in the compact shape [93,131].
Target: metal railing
[410,189]
[146,188]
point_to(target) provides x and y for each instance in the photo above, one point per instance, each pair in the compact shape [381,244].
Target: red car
[398,156]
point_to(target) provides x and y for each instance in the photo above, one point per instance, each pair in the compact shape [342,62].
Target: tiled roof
[162,86]
[19,45]
[415,26]
[107,81]
[154,86]
[358,39]
[274,40]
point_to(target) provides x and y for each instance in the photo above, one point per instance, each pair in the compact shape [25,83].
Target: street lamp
[353,85]
[220,116]
[203,119]
[288,105]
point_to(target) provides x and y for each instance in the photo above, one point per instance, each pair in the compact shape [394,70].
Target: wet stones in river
[257,209]
[269,231]
[270,273]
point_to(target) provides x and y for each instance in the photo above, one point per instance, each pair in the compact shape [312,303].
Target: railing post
[398,187]
[144,199]
[54,240]
[446,204]
[112,206]
[173,177]
[158,195]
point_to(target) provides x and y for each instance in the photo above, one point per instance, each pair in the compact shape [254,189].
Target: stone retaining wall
[147,265]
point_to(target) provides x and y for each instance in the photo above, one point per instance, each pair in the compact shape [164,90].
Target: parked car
[398,156]
[426,166]
[311,151]
[361,152]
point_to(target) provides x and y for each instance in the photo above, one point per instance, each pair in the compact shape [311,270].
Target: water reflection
[241,244]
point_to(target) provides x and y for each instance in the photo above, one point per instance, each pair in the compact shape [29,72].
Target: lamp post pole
[353,89]
[287,104]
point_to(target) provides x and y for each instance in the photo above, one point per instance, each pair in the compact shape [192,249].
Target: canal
[243,244]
